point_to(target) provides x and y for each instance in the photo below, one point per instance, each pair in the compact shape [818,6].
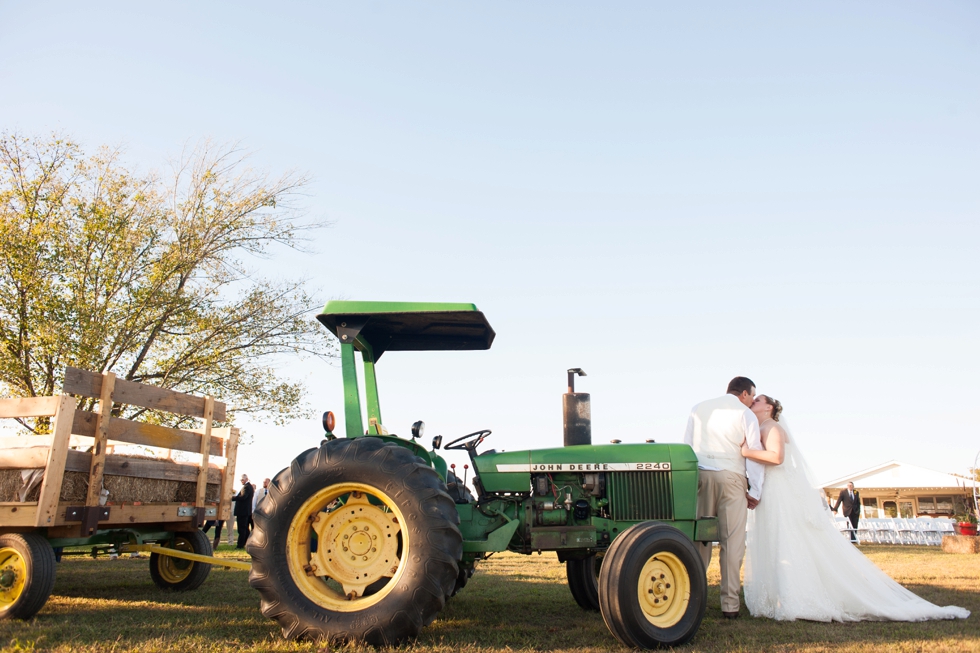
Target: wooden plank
[17,514]
[29,407]
[158,513]
[24,458]
[228,476]
[89,384]
[20,442]
[55,467]
[218,436]
[101,440]
[202,478]
[21,515]
[150,435]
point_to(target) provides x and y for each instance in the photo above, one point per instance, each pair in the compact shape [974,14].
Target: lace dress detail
[799,566]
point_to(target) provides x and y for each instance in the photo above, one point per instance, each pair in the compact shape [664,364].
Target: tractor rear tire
[459,492]
[357,540]
[462,578]
[583,581]
[26,574]
[461,495]
[652,587]
[178,574]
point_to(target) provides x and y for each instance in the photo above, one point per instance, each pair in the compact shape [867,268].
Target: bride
[798,566]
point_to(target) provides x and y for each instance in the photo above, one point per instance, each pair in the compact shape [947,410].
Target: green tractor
[366,537]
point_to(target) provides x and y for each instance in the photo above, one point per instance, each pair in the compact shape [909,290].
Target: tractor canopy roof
[408,326]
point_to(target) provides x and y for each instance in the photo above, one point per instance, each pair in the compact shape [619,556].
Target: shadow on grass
[98,604]
[506,613]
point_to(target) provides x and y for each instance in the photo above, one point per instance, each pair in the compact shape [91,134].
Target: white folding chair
[944,526]
[865,532]
[928,532]
[886,532]
[907,531]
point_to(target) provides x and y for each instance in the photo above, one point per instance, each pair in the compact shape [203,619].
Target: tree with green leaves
[149,277]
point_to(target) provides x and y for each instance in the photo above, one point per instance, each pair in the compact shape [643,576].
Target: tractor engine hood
[511,471]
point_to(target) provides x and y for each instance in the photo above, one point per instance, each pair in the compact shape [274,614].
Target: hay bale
[122,489]
[10,484]
[961,544]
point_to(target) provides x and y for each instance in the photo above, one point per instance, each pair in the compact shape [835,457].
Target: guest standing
[243,510]
[851,499]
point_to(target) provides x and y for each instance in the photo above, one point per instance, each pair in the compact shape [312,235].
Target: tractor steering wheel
[470,441]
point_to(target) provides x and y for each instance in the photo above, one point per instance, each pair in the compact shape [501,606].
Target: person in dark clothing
[243,510]
[851,501]
[218,525]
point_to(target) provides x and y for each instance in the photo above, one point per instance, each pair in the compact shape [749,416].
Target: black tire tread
[409,482]
[582,582]
[613,587]
[39,558]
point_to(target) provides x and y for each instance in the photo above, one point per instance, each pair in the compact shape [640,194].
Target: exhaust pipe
[576,412]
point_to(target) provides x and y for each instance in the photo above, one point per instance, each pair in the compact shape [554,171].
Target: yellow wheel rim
[13,575]
[174,570]
[664,590]
[345,546]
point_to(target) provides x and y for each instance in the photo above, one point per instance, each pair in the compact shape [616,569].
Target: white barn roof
[895,474]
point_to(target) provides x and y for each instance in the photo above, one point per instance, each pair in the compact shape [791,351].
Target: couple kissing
[797,564]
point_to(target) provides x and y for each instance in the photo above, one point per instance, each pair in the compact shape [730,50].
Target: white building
[896,489]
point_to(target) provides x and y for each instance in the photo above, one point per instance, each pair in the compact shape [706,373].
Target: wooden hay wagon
[70,489]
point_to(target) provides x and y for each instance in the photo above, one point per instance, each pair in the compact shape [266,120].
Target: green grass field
[513,603]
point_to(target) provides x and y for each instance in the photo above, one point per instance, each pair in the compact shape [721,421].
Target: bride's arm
[774,452]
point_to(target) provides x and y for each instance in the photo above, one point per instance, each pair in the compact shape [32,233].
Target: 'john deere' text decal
[547,468]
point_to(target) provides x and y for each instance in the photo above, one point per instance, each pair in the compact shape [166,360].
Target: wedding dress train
[799,566]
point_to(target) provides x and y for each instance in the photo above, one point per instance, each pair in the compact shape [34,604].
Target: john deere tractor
[366,537]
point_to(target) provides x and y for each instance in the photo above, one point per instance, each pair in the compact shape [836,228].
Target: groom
[716,430]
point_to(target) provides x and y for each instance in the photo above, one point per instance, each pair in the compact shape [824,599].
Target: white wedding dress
[799,566]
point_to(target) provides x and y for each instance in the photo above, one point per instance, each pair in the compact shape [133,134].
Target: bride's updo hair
[777,407]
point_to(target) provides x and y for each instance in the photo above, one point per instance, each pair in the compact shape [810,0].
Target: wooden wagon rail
[97,430]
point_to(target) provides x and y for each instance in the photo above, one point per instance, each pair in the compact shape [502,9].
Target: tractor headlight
[418,428]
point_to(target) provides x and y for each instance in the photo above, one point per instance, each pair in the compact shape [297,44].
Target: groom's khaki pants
[722,495]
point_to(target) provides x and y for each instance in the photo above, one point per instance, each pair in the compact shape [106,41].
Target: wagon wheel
[652,587]
[356,541]
[178,574]
[26,574]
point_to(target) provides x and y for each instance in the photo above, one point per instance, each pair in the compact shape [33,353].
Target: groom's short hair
[740,384]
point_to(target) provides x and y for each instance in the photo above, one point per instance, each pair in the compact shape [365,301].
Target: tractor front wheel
[357,541]
[652,587]
[583,580]
[26,574]
[179,574]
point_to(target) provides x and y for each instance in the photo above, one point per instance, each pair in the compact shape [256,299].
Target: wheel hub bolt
[7,578]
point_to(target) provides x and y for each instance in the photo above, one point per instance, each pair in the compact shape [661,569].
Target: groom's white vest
[718,433]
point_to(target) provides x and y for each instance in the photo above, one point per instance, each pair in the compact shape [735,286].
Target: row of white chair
[924,531]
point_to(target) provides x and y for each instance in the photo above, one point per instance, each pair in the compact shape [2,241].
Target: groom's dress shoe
[730,615]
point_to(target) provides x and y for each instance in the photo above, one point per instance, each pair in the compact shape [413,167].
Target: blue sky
[666,195]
